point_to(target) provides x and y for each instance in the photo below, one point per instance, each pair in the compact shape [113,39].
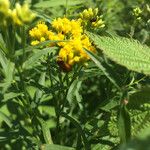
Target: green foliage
[124,51]
[55,147]
[96,106]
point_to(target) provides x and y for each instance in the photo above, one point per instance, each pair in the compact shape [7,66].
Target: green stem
[55,101]
[6,39]
[76,72]
[23,43]
[13,39]
[66,11]
[23,86]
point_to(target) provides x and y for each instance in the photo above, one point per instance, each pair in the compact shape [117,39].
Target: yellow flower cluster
[71,50]
[66,26]
[90,18]
[40,33]
[19,15]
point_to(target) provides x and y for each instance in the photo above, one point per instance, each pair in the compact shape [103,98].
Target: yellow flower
[21,14]
[42,27]
[4,7]
[62,25]
[88,14]
[42,39]
[76,58]
[98,23]
[76,28]
[40,32]
[72,50]
[15,18]
[35,42]
[89,18]
[65,26]
[4,11]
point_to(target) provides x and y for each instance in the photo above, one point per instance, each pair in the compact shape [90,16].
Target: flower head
[90,18]
[72,40]
[22,14]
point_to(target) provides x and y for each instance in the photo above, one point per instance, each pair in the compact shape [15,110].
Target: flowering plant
[74,74]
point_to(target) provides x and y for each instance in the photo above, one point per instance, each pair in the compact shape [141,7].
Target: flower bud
[95,11]
[4,8]
[22,14]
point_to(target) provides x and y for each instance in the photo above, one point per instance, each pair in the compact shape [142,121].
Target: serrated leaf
[127,52]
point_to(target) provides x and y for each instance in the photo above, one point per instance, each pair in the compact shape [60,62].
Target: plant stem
[66,11]
[23,43]
[55,101]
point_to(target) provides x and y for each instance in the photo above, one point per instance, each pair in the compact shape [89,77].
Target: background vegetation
[104,106]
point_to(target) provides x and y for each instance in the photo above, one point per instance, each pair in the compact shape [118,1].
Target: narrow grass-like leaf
[3,60]
[32,60]
[55,147]
[3,45]
[10,95]
[19,52]
[6,119]
[8,73]
[39,92]
[124,125]
[78,126]
[98,63]
[54,3]
[46,131]
[71,91]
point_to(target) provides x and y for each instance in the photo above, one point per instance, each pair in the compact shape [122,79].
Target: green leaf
[137,144]
[55,147]
[46,131]
[3,60]
[54,3]
[6,119]
[96,60]
[19,52]
[10,95]
[127,52]
[39,92]
[32,60]
[124,125]
[8,73]
[3,45]
[73,93]
[138,98]
[78,126]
